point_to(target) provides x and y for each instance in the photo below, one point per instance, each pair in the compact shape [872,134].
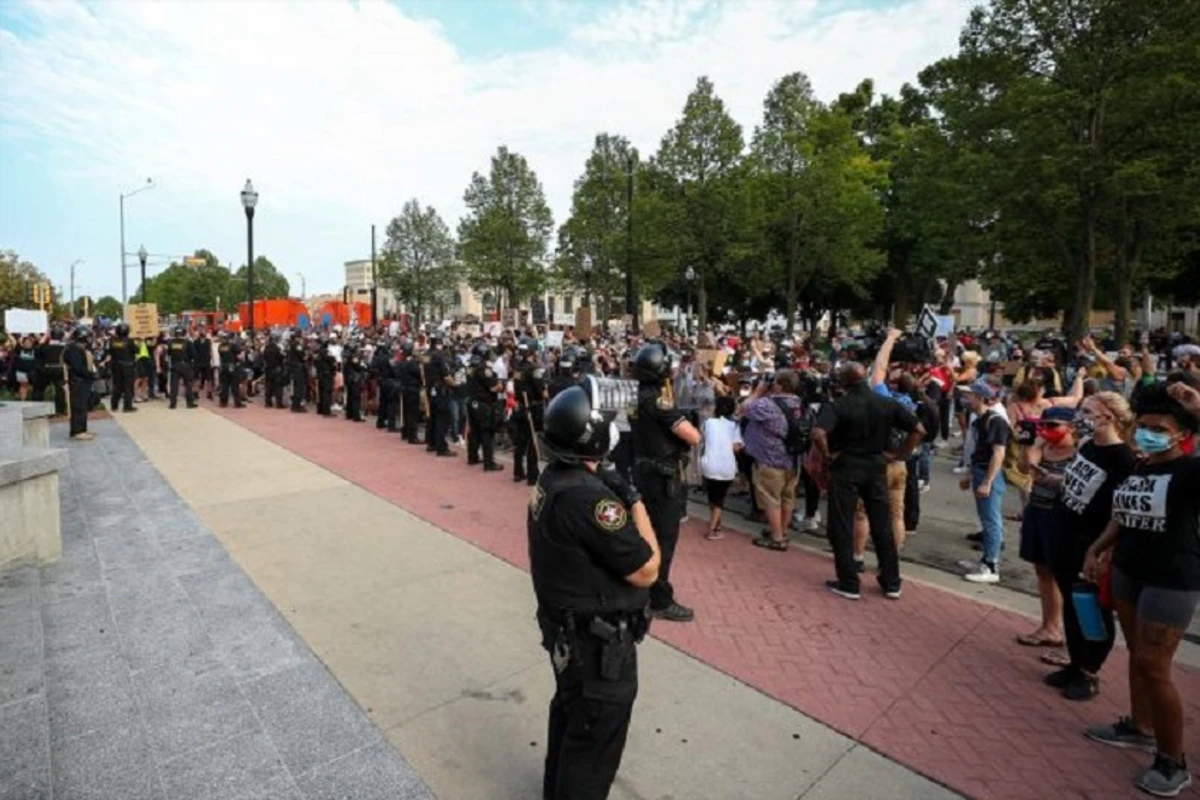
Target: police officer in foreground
[121,356]
[81,372]
[228,357]
[181,357]
[662,437]
[51,372]
[593,555]
[485,412]
[274,376]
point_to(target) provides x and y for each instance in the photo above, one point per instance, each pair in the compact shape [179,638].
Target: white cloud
[340,112]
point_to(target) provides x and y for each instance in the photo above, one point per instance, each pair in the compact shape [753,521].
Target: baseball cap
[984,389]
[1058,415]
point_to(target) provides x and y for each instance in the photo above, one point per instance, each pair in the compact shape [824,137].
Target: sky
[341,111]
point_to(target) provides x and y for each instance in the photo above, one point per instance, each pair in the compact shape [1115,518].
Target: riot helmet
[180,331]
[650,364]
[574,430]
[122,329]
[81,333]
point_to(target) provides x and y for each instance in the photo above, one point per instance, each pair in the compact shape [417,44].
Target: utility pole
[630,308]
[71,292]
[374,280]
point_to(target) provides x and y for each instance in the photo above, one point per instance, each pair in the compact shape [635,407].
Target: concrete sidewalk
[435,638]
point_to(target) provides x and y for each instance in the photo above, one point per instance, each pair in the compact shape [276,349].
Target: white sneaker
[959,470]
[922,486]
[335,408]
[982,573]
[812,524]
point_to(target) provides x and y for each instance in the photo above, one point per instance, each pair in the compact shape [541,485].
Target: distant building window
[568,304]
[457,299]
[488,300]
[550,306]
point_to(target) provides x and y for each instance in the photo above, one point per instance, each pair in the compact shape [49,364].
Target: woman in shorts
[1154,539]
[721,441]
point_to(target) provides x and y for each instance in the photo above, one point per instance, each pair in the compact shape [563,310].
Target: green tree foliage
[16,276]
[269,282]
[106,306]
[1084,113]
[698,169]
[503,239]
[207,287]
[418,259]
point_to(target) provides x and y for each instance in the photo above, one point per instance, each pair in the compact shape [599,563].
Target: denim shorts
[1039,535]
[1173,608]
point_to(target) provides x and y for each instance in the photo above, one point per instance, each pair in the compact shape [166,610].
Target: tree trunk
[901,302]
[701,301]
[1083,294]
[946,305]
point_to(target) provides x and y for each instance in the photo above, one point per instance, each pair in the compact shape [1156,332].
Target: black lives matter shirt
[1158,509]
[1085,504]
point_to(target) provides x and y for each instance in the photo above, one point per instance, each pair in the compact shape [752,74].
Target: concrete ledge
[30,526]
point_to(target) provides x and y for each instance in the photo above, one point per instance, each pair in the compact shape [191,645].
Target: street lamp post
[249,201]
[124,291]
[142,256]
[630,308]
[690,275]
[303,285]
[587,280]
[374,283]
[74,263]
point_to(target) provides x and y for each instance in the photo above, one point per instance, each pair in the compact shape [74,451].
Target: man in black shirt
[530,392]
[229,357]
[484,416]
[181,357]
[408,373]
[274,375]
[992,432]
[851,434]
[120,358]
[51,372]
[81,372]
[439,383]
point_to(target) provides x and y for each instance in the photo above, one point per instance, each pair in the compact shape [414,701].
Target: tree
[269,283]
[418,259]
[701,155]
[209,286]
[107,306]
[503,239]
[16,278]
[1085,112]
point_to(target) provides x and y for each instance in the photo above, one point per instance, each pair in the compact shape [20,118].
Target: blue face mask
[1151,442]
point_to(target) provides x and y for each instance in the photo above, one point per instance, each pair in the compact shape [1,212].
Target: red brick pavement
[934,681]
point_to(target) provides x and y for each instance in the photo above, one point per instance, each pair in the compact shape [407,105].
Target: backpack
[799,426]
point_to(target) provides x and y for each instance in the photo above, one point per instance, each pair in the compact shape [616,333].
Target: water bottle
[1086,598]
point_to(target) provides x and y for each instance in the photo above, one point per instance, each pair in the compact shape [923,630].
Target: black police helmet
[651,365]
[476,361]
[180,330]
[56,333]
[122,329]
[408,349]
[573,431]
[81,333]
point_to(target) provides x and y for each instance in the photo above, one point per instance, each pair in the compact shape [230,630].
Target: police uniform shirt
[586,516]
[179,350]
[653,424]
[121,349]
[859,422]
[50,354]
[272,356]
[435,372]
[227,352]
[482,385]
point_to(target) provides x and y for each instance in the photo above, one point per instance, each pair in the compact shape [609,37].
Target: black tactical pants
[589,721]
[47,377]
[850,480]
[325,394]
[525,462]
[438,425]
[386,414]
[665,498]
[81,398]
[480,433]
[410,414]
[229,383]
[122,386]
[299,378]
[181,372]
[273,381]
[354,399]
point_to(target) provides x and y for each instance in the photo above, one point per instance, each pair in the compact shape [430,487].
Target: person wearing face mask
[1084,507]
[593,556]
[1045,460]
[1154,541]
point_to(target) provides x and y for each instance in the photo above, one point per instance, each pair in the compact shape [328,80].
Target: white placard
[927,325]
[554,339]
[566,319]
[494,328]
[945,325]
[393,328]
[26,320]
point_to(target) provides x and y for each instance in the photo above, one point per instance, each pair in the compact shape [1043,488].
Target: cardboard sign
[945,325]
[539,311]
[554,339]
[709,357]
[718,363]
[583,322]
[509,318]
[494,328]
[564,319]
[706,341]
[142,319]
[652,330]
[394,329]
[26,320]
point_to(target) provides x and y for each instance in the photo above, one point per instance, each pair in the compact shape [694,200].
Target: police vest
[651,440]
[178,349]
[565,578]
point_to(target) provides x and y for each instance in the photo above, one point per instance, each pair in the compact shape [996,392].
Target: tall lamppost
[587,280]
[74,264]
[249,201]
[630,308]
[690,275]
[142,256]
[124,291]
[303,285]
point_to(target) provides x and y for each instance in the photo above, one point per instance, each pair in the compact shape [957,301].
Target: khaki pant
[897,474]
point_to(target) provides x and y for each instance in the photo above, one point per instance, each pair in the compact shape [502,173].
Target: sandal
[1056,658]
[1013,517]
[714,534]
[770,544]
[1034,640]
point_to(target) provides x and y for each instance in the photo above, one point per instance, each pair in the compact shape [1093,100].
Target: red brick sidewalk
[934,681]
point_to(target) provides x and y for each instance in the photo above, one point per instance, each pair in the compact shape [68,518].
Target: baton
[537,451]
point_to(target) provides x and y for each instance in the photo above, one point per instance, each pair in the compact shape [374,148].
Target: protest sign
[509,318]
[554,339]
[652,329]
[26,320]
[583,322]
[143,320]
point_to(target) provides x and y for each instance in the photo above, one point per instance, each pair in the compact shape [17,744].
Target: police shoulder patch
[536,498]
[664,403]
[610,515]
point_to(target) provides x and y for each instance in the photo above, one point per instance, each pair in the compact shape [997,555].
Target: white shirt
[500,367]
[717,462]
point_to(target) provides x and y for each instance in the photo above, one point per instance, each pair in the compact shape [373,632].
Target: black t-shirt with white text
[1085,504]
[1158,509]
